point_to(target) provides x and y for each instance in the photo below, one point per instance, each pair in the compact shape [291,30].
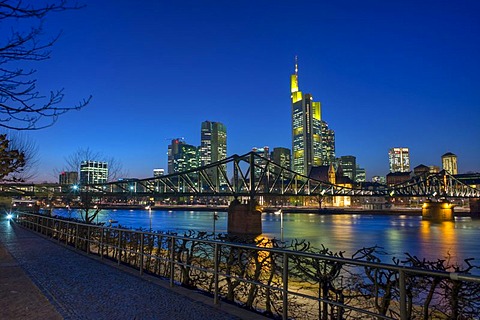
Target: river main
[397,234]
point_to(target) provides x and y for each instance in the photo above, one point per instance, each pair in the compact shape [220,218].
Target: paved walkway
[40,279]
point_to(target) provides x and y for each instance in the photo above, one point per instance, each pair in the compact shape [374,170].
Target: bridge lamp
[9,216]
[75,187]
[131,188]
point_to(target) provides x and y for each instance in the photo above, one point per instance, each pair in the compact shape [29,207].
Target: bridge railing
[277,282]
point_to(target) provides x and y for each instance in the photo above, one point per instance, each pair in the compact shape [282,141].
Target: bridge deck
[68,284]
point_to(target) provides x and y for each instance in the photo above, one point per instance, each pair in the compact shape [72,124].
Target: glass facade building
[313,144]
[213,142]
[449,163]
[93,172]
[399,160]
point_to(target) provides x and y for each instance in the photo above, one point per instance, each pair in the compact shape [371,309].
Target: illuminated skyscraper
[399,160]
[449,163]
[260,163]
[349,166]
[93,172]
[173,150]
[313,144]
[282,157]
[181,156]
[213,142]
[186,158]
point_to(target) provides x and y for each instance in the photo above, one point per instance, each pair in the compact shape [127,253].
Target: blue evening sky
[388,74]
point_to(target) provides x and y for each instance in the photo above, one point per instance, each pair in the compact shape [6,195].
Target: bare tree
[73,161]
[22,106]
[11,160]
[29,153]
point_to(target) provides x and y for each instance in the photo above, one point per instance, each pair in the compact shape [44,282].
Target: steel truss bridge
[250,176]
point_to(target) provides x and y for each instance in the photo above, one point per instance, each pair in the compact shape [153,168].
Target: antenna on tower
[296,65]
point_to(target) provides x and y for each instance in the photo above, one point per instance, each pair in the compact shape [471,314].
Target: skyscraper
[399,160]
[181,156]
[313,144]
[186,158]
[349,166]
[328,144]
[173,150]
[282,157]
[449,163]
[213,142]
[260,163]
[93,172]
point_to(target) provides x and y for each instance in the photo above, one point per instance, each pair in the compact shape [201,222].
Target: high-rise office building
[399,160]
[213,146]
[449,163]
[186,158]
[213,142]
[259,162]
[328,144]
[313,144]
[93,172]
[173,150]
[360,174]
[68,177]
[282,157]
[349,166]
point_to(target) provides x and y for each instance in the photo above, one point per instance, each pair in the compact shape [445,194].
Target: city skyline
[387,75]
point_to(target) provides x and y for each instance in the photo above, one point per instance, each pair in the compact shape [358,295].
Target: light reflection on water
[338,232]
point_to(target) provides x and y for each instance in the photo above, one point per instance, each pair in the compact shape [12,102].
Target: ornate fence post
[119,251]
[141,252]
[101,242]
[285,286]
[403,295]
[172,260]
[215,272]
[88,240]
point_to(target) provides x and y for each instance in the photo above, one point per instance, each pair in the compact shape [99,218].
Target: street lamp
[280,212]
[215,218]
[150,216]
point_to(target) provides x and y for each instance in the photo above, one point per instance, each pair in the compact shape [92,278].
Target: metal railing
[277,282]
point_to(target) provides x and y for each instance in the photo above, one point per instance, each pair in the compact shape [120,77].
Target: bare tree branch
[22,106]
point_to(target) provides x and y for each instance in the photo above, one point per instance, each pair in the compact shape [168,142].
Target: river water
[396,234]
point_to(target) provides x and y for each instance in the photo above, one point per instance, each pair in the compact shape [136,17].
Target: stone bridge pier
[244,218]
[438,211]
[475,207]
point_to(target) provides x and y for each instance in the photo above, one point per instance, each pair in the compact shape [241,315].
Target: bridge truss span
[251,175]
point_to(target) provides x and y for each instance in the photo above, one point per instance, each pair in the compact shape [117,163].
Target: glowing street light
[215,218]
[280,212]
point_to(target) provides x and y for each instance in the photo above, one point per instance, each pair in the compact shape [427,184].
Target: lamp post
[280,212]
[150,216]
[215,218]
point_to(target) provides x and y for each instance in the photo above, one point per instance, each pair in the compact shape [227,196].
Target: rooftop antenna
[296,65]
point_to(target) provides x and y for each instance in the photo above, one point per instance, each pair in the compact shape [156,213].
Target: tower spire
[296,65]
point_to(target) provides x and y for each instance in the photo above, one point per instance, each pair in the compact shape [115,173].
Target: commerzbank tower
[313,144]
